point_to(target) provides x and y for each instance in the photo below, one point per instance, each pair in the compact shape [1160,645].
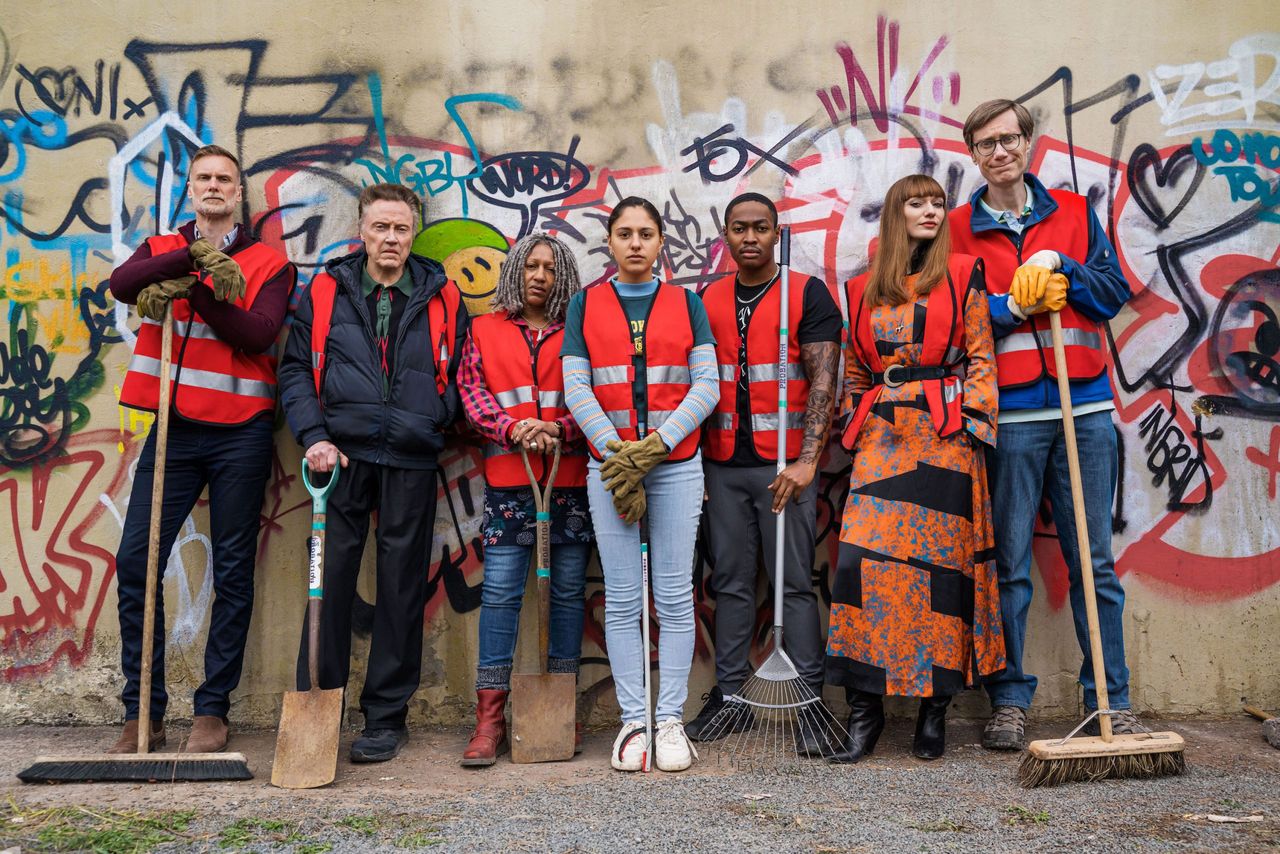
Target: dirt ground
[970,797]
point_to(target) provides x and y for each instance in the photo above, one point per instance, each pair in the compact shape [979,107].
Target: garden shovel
[307,741]
[543,709]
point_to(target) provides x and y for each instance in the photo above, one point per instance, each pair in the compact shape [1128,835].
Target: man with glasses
[1045,251]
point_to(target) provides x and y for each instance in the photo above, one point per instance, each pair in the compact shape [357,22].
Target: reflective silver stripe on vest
[950,391]
[619,418]
[760,423]
[551,399]
[1020,341]
[728,373]
[514,397]
[188,329]
[315,361]
[769,373]
[206,379]
[667,374]
[658,417]
[612,375]
[721,421]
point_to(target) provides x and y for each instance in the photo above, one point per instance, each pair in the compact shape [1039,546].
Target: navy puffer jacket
[403,428]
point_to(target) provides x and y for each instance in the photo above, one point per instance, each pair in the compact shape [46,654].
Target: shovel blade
[543,712]
[307,741]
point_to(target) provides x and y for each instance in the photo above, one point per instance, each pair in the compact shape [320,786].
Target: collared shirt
[226,241]
[1010,220]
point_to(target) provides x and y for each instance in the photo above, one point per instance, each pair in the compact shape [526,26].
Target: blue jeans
[1032,458]
[674,494]
[234,462]
[506,569]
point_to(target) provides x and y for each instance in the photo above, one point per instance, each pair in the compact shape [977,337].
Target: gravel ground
[967,801]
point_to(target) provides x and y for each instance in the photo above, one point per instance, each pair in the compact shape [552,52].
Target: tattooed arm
[820,363]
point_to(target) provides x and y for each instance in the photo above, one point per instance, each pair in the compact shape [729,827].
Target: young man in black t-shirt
[744,488]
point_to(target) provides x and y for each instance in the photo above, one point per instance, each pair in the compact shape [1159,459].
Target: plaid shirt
[484,413]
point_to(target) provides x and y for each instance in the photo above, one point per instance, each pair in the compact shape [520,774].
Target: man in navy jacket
[368,382]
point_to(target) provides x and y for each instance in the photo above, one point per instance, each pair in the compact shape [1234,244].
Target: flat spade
[542,704]
[307,741]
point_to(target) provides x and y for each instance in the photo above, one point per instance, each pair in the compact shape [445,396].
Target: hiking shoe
[719,717]
[379,745]
[1123,722]
[1006,730]
[673,751]
[629,748]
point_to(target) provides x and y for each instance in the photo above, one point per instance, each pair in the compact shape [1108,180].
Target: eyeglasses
[1010,142]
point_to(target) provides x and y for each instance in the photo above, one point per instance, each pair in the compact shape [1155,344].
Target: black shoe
[866,722]
[931,728]
[379,745]
[816,732]
[719,717]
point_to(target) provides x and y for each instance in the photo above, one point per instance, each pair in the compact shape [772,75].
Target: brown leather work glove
[631,461]
[153,298]
[224,273]
[631,505]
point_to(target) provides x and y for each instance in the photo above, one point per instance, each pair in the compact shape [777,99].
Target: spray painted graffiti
[1193,214]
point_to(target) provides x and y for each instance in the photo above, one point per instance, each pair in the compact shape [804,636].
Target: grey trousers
[741,523]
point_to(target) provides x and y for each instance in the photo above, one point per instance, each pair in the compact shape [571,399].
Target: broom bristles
[148,768]
[1034,772]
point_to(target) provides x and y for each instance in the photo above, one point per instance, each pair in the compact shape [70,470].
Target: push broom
[785,707]
[1051,762]
[143,767]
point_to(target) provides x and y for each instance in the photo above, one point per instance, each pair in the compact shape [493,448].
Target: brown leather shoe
[208,735]
[128,742]
[489,740]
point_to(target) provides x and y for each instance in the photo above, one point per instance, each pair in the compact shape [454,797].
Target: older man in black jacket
[368,382]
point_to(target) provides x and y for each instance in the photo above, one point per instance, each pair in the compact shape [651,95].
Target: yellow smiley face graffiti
[471,253]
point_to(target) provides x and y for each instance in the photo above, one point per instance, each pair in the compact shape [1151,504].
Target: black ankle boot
[931,728]
[866,722]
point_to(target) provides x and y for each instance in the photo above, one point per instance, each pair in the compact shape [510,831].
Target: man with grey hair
[368,383]
[1045,251]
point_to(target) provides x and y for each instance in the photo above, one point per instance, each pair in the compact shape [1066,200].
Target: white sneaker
[673,751]
[629,747]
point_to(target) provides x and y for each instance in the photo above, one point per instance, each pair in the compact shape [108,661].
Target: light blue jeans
[674,494]
[1030,459]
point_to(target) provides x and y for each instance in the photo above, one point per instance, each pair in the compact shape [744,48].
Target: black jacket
[404,427]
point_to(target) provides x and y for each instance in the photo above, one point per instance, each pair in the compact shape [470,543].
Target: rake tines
[775,722]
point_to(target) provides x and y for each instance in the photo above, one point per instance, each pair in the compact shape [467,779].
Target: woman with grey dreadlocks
[513,394]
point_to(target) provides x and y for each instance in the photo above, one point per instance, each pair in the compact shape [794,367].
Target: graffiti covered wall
[507,117]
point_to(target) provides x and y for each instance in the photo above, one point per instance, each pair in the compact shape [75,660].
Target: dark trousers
[406,503]
[741,523]
[234,462]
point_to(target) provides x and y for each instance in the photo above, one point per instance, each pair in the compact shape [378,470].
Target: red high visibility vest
[1025,356]
[944,345]
[212,382]
[527,381]
[668,340]
[442,315]
[762,369]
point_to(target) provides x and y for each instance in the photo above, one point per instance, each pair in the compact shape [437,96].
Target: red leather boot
[489,739]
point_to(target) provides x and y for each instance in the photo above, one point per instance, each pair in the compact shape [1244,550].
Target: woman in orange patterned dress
[915,604]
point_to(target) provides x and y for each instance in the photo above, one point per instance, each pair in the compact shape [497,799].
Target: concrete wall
[506,115]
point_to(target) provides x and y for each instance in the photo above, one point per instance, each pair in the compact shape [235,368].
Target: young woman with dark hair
[640,378]
[915,605]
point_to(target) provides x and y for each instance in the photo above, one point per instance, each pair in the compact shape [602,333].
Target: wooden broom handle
[153,536]
[1082,526]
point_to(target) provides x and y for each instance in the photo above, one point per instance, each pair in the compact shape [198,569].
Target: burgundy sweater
[253,330]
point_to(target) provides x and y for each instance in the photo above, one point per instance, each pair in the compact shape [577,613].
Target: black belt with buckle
[896,375]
